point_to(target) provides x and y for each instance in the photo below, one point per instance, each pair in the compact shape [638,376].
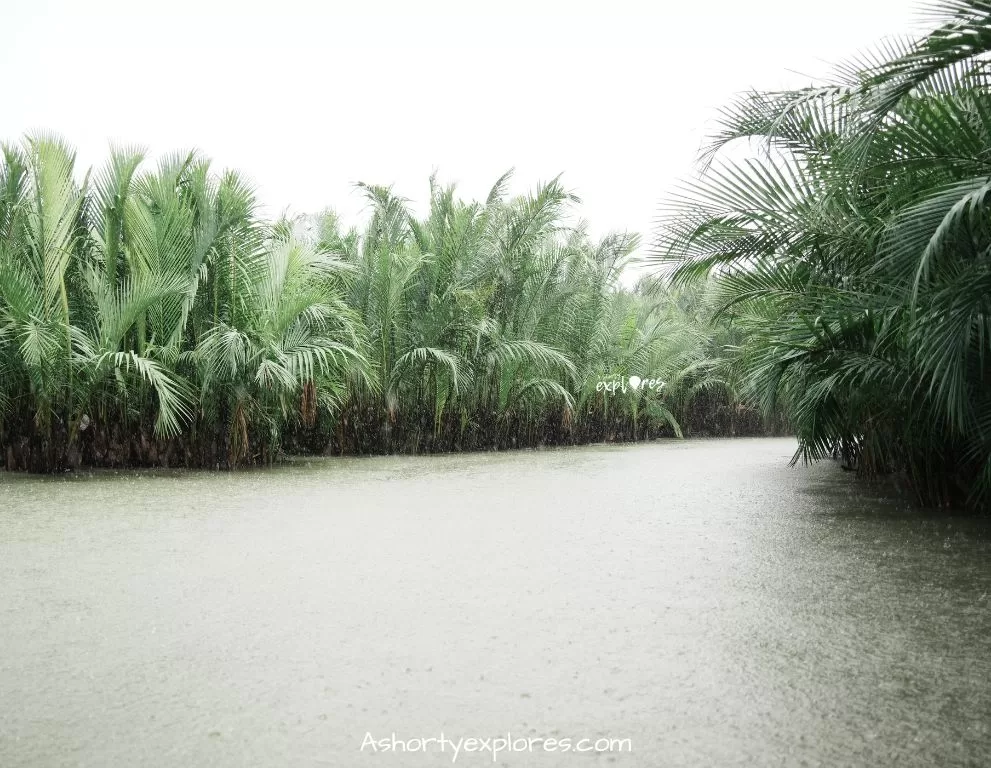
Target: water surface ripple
[700,598]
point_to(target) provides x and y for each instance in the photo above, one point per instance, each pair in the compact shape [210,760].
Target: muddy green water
[701,599]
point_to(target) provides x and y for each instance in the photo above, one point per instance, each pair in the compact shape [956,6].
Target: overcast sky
[309,97]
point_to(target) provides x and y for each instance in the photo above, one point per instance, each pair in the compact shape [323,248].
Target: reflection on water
[700,598]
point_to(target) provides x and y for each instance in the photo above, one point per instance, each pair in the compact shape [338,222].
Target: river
[701,599]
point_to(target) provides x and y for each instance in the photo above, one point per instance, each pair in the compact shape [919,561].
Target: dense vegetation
[152,317]
[831,264]
[852,240]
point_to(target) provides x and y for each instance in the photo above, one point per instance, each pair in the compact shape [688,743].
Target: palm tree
[852,247]
[63,324]
[286,351]
[151,316]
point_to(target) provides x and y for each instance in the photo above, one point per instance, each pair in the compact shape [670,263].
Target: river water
[700,599]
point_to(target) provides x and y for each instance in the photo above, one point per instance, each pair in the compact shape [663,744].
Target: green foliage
[851,247]
[152,317]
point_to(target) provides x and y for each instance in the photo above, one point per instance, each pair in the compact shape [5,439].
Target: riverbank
[108,446]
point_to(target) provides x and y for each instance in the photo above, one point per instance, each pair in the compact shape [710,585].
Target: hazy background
[308,98]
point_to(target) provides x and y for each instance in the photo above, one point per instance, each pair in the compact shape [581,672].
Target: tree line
[827,272]
[150,316]
[847,230]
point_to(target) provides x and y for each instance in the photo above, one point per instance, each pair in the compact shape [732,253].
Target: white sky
[307,98]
